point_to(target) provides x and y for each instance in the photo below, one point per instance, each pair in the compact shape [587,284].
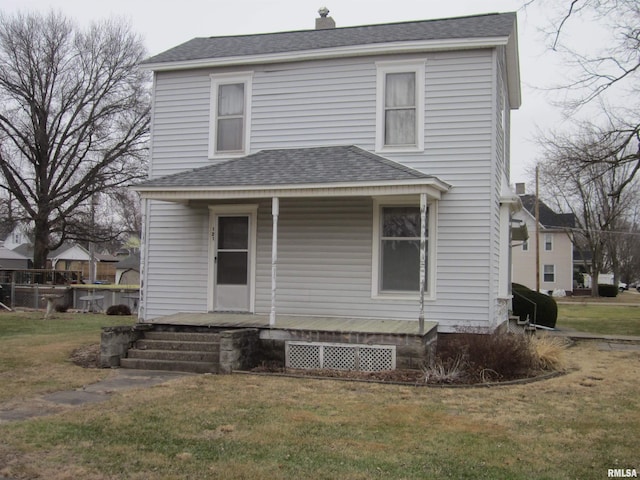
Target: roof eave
[337,52]
[433,187]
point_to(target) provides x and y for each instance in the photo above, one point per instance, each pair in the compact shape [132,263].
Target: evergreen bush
[607,290]
[546,308]
[119,310]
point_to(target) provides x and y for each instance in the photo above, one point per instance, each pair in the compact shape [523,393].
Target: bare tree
[606,78]
[74,118]
[573,181]
[124,204]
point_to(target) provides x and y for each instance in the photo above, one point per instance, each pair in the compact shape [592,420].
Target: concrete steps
[175,351]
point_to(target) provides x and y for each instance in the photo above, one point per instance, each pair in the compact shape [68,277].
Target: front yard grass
[244,426]
[34,353]
[594,317]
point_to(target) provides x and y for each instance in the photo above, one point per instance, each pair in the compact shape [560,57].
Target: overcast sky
[166,23]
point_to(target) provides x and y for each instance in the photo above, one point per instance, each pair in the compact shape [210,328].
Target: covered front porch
[325,232]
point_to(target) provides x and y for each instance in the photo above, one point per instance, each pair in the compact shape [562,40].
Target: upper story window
[400,106]
[548,242]
[230,115]
[525,246]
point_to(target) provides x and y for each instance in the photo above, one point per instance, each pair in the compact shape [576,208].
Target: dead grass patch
[550,351]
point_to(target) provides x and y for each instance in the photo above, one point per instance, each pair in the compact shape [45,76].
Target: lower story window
[549,273]
[399,265]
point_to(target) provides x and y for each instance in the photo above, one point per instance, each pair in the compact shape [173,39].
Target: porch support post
[423,257]
[275,211]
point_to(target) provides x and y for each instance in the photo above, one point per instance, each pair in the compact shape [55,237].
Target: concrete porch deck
[297,322]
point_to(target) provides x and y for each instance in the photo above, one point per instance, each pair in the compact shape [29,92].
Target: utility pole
[537,214]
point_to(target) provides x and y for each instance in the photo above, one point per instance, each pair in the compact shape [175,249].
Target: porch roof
[295,172]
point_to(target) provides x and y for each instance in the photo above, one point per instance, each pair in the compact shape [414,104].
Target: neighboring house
[318,173]
[72,256]
[15,236]
[555,247]
[76,258]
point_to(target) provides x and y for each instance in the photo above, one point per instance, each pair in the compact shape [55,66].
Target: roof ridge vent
[324,22]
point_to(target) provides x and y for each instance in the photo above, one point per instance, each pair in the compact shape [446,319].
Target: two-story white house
[357,172]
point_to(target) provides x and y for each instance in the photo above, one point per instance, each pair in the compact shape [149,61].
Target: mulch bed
[87,356]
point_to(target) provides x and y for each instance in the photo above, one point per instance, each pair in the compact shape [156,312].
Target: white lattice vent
[340,356]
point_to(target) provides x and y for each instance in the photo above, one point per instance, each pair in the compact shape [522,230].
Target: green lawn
[597,318]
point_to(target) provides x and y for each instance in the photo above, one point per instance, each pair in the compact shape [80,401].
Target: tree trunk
[594,283]
[40,243]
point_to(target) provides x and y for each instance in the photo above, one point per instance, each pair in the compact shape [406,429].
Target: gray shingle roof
[296,166]
[548,218]
[478,26]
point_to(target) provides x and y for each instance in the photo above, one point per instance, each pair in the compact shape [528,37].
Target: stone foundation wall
[114,343]
[239,349]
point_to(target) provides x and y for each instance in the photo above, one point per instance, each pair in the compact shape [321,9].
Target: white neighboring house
[555,247]
[16,237]
[307,173]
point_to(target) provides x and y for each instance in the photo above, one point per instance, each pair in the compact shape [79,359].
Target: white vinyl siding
[176,251]
[314,104]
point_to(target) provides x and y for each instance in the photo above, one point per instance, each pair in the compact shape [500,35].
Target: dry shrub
[549,351]
[496,356]
[450,370]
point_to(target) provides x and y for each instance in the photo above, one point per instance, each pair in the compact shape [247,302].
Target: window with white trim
[548,242]
[549,273]
[396,260]
[525,246]
[230,115]
[400,106]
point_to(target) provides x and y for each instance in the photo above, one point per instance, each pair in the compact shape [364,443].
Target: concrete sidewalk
[120,380]
[604,342]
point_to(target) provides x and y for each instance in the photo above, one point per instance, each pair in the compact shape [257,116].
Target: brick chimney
[324,22]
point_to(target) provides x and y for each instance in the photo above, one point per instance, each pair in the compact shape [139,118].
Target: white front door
[232,265]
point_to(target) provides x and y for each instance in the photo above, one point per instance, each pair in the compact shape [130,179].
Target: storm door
[231,263]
